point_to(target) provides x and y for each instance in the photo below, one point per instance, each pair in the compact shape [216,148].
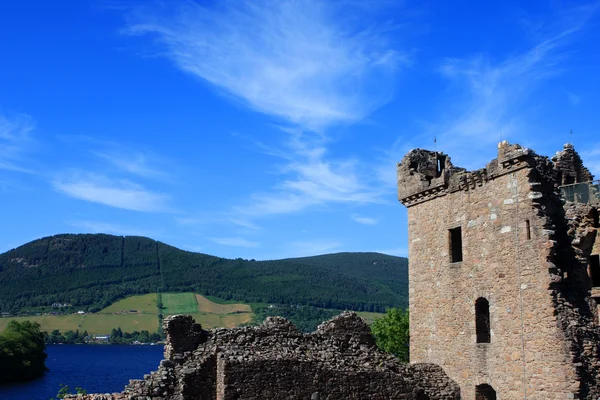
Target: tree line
[93,271]
[117,336]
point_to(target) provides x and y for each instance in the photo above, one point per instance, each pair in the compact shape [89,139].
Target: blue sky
[271,129]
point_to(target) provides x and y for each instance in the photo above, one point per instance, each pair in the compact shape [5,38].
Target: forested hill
[92,271]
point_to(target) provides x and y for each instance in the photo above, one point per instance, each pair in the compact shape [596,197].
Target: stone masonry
[501,291]
[339,361]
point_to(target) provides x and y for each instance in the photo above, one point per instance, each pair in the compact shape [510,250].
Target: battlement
[425,174]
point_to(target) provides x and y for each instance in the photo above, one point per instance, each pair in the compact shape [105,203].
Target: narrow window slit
[527,229]
[455,245]
[482,320]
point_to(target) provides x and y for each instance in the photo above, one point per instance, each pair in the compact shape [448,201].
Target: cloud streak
[492,94]
[235,241]
[120,194]
[310,179]
[110,228]
[364,220]
[302,61]
[14,139]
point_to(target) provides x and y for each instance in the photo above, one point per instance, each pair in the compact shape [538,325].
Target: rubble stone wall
[516,253]
[338,361]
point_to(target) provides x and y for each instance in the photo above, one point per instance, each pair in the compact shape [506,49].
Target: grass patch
[179,303]
[207,306]
[208,320]
[209,313]
[141,304]
[50,322]
[369,317]
[104,323]
[219,300]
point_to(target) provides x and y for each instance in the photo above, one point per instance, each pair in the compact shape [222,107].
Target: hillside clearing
[141,304]
[207,306]
[179,303]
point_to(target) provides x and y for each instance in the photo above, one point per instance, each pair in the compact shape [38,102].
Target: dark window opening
[559,178]
[482,320]
[485,392]
[455,245]
[441,164]
[527,229]
[594,270]
[569,180]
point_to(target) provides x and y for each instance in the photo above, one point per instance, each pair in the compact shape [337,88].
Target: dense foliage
[22,352]
[93,271]
[392,333]
[117,336]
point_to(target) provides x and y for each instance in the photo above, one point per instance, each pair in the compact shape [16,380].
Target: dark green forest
[22,352]
[93,271]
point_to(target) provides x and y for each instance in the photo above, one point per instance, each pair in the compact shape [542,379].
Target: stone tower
[502,288]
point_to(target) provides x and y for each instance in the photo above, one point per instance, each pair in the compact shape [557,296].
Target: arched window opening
[485,392]
[482,320]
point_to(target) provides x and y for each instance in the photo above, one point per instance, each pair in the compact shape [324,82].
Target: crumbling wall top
[569,167]
[425,174]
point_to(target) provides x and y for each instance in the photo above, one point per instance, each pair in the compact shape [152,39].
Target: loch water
[95,368]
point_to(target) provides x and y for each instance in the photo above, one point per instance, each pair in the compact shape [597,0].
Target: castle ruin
[339,361]
[504,275]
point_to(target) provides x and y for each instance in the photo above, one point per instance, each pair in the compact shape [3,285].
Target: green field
[140,304]
[137,313]
[179,303]
[95,324]
[369,317]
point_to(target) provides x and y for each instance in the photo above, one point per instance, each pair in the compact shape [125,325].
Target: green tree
[22,352]
[392,333]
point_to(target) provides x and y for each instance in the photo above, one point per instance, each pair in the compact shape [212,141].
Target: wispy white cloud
[302,61]
[136,163]
[396,251]
[119,157]
[310,179]
[110,228]
[15,138]
[488,106]
[311,64]
[235,241]
[364,220]
[244,223]
[120,194]
[312,247]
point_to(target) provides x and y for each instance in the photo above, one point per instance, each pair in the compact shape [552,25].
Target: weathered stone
[275,361]
[522,252]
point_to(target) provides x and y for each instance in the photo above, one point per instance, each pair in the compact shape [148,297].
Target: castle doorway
[485,392]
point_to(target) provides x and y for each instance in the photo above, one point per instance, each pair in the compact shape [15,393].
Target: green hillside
[94,271]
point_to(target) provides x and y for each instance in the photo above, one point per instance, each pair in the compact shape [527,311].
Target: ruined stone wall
[338,361]
[517,255]
[508,247]
[287,379]
[576,300]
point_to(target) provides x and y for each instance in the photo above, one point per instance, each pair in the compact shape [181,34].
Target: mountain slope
[93,271]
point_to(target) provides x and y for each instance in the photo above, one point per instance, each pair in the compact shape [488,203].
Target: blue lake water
[95,368]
